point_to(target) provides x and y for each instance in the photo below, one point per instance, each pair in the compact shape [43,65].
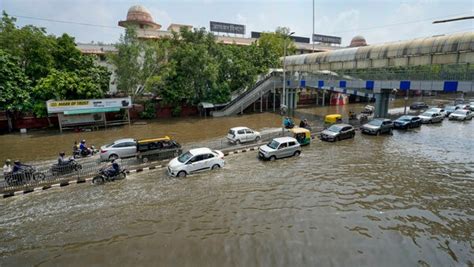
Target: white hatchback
[196,160]
[239,135]
[121,148]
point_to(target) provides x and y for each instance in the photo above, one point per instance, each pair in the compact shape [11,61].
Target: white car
[280,147]
[196,160]
[239,135]
[438,110]
[461,115]
[121,148]
[431,117]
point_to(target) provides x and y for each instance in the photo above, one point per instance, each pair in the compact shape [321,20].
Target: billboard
[297,39]
[227,27]
[326,39]
[91,105]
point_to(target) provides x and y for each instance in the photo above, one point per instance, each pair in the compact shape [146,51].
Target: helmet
[62,154]
[8,161]
[16,162]
[83,141]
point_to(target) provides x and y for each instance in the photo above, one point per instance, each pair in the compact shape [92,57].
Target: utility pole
[312,36]
[284,68]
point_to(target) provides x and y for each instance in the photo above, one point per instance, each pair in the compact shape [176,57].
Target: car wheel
[272,158]
[238,142]
[113,156]
[297,153]
[338,138]
[145,160]
[182,174]
[215,167]
[257,138]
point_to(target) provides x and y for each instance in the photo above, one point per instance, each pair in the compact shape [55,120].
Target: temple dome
[358,41]
[139,16]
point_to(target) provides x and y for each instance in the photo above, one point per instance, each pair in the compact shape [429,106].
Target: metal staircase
[250,96]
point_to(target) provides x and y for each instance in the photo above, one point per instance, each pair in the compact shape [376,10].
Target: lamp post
[284,68]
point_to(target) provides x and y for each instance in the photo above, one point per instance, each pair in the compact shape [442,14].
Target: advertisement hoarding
[326,39]
[227,27]
[92,105]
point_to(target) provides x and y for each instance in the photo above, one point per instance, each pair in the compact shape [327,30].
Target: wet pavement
[400,200]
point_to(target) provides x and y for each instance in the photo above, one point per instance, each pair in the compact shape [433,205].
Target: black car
[338,132]
[418,105]
[406,122]
[377,126]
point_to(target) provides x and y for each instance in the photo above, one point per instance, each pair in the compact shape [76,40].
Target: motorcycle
[66,168]
[23,176]
[103,176]
[77,153]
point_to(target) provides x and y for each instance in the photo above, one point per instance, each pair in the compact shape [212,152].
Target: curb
[86,180]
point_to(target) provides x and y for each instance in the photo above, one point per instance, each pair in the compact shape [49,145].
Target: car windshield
[375,122]
[460,112]
[335,128]
[427,114]
[404,118]
[109,145]
[273,144]
[450,108]
[185,157]
[231,132]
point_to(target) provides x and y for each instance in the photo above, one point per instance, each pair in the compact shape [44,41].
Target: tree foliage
[37,67]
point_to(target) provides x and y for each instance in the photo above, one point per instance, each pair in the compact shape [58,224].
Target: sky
[379,21]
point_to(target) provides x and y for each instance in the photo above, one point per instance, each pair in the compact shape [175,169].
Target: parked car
[438,110]
[377,126]
[458,101]
[461,115]
[280,148]
[239,135]
[431,117]
[157,149]
[418,105]
[450,109]
[196,160]
[121,148]
[337,132]
[463,106]
[407,121]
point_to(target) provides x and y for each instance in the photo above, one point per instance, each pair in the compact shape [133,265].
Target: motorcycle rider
[113,169]
[85,151]
[17,166]
[7,168]
[62,160]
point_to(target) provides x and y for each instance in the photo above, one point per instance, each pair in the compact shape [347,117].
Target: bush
[149,111]
[176,112]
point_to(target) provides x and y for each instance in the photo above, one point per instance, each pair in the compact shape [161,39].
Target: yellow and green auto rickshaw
[302,135]
[333,118]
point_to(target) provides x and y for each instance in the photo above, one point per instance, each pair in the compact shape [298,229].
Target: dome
[139,15]
[358,41]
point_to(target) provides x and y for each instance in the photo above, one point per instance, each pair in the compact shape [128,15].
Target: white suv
[239,135]
[280,148]
[196,160]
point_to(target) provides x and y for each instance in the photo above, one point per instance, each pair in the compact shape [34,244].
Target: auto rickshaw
[302,135]
[333,118]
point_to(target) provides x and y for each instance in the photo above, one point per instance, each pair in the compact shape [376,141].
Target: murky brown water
[401,200]
[41,145]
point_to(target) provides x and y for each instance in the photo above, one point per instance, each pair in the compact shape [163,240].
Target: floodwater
[41,145]
[400,200]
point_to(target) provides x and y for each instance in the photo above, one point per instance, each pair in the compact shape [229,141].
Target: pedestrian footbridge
[441,63]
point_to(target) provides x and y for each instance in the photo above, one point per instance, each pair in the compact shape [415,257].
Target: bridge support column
[324,97]
[381,104]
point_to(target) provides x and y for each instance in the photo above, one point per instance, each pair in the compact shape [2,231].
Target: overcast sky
[377,20]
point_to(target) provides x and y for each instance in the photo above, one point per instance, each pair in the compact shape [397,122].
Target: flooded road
[401,200]
[42,145]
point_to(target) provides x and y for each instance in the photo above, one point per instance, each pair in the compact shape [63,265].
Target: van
[281,147]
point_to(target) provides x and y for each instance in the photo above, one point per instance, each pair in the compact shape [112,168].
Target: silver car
[431,117]
[280,148]
[121,148]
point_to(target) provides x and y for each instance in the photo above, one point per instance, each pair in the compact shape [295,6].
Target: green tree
[273,46]
[14,86]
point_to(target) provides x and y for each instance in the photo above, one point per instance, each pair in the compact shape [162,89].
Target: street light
[284,68]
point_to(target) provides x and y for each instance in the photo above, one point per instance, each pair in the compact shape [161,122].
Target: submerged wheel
[238,142]
[215,167]
[113,156]
[182,174]
[98,180]
[257,138]
[39,176]
[297,153]
[377,133]
[272,158]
